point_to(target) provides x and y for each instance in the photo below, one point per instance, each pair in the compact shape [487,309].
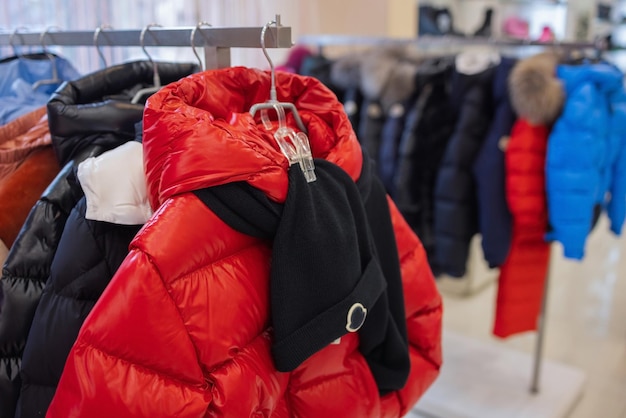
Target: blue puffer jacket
[17,76]
[582,147]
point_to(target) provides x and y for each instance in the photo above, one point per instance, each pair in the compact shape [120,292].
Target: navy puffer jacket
[494,218]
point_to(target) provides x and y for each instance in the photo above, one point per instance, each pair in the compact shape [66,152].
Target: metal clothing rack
[598,47]
[322,41]
[438,41]
[216,41]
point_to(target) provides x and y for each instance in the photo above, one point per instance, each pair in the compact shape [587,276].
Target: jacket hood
[96,111]
[605,77]
[536,93]
[114,195]
[385,74]
[198,132]
[476,60]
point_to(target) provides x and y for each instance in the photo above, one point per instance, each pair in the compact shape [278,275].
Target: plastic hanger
[55,74]
[156,79]
[192,40]
[96,35]
[269,104]
[294,145]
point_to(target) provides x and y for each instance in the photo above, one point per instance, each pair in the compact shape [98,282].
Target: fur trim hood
[537,95]
[385,74]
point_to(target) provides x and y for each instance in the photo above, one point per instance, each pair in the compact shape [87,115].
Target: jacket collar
[198,132]
[114,195]
[96,109]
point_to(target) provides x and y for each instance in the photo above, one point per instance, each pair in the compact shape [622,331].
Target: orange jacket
[183,328]
[522,276]
[27,166]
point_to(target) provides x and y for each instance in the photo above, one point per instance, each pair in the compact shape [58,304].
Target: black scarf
[335,266]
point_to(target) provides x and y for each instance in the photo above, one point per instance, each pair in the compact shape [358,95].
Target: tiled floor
[586,325]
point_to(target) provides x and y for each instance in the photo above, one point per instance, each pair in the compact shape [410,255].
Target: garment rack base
[488,380]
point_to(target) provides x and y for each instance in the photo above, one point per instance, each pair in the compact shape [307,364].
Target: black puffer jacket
[428,126]
[23,278]
[86,117]
[456,213]
[345,73]
[339,79]
[352,100]
[89,253]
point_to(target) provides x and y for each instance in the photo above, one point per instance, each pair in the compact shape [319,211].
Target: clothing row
[521,151]
[175,265]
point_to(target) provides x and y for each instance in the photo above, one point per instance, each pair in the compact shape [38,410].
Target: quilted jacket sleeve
[423,310]
[125,350]
[617,206]
[23,277]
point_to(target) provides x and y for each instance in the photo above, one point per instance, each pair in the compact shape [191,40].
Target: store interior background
[586,315]
[391,18]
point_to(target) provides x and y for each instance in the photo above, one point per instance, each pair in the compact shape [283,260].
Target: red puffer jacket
[182,329]
[523,274]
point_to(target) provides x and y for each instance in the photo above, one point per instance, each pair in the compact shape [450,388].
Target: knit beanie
[325,276]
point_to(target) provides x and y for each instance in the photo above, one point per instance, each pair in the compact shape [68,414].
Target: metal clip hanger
[96,35]
[294,145]
[192,39]
[55,74]
[273,99]
[156,78]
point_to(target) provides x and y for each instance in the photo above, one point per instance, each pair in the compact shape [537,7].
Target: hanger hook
[269,60]
[193,38]
[267,55]
[155,76]
[16,32]
[42,37]
[142,39]
[96,35]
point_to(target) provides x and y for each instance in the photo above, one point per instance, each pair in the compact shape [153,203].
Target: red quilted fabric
[523,274]
[182,330]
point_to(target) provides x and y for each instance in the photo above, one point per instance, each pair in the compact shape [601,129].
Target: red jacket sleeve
[133,355]
[424,314]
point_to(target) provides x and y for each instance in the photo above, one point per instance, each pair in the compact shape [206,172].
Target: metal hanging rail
[245,37]
[439,41]
[215,40]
